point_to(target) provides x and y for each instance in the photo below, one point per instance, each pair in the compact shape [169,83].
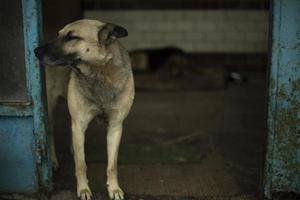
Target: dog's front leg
[78,135]
[114,133]
[82,112]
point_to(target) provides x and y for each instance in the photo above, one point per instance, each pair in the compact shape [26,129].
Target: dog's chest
[103,87]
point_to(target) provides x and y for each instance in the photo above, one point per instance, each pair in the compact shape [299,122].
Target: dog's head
[83,41]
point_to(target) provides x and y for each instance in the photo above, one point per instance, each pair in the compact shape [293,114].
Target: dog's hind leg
[55,163]
[114,133]
[52,101]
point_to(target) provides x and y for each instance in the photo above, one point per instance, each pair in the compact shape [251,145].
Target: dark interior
[197,128]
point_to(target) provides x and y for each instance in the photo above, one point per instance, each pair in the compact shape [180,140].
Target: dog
[97,71]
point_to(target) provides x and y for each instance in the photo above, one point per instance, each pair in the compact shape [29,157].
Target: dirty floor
[178,145]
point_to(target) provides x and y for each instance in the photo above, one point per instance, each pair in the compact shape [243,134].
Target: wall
[229,31]
[58,13]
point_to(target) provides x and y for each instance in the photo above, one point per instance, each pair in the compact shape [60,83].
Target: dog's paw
[84,194]
[115,193]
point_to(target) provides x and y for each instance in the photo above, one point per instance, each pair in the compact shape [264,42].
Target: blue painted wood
[32,34]
[283,152]
[18,167]
[16,109]
[24,150]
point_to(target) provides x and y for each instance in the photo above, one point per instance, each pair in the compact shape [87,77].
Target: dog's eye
[70,36]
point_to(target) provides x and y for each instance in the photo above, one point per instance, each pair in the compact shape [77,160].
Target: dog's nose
[38,52]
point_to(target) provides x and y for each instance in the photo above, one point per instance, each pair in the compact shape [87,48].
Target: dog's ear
[109,32]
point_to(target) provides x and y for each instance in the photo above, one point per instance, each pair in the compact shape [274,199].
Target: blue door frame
[282,171]
[24,150]
[24,153]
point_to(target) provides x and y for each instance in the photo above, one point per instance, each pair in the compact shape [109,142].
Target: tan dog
[100,83]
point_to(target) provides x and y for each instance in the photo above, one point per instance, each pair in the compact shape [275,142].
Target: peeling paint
[282,171]
[32,33]
[23,126]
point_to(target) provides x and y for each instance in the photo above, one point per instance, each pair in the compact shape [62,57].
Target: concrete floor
[197,144]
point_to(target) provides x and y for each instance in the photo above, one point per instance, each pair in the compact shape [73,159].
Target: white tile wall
[194,31]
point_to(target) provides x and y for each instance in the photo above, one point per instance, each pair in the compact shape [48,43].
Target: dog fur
[100,82]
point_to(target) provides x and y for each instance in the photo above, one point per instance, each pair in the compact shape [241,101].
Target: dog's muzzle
[52,55]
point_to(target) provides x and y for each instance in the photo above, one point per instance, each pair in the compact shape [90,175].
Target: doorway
[197,128]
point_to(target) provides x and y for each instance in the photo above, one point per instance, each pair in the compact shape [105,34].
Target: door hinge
[41,152]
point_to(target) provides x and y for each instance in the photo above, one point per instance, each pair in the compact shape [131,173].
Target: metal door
[25,164]
[283,154]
